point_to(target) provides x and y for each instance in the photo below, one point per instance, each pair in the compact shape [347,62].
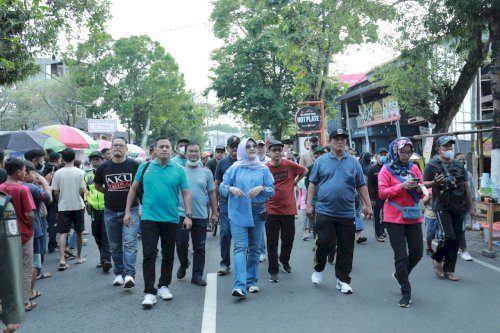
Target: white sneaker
[149,301]
[165,293]
[344,287]
[118,281]
[253,289]
[129,282]
[317,277]
[466,256]
[262,258]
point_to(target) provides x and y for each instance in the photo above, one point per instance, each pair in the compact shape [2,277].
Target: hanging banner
[381,111]
[308,119]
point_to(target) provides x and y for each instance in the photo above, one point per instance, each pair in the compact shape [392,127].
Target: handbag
[140,190]
[408,213]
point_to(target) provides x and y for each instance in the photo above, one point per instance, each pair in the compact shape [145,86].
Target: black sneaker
[106,266]
[405,301]
[286,268]
[200,282]
[274,278]
[181,272]
[331,259]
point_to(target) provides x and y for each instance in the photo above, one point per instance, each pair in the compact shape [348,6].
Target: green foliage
[279,51]
[138,81]
[33,27]
[443,44]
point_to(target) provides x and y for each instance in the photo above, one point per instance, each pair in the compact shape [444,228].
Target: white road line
[480,262]
[208,323]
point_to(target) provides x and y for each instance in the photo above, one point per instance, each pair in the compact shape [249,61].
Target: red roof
[352,79]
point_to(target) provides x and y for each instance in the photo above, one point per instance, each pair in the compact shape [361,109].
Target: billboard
[381,111]
[101,125]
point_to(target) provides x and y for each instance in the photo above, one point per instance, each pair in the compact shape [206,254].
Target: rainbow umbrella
[23,141]
[103,144]
[70,136]
[135,151]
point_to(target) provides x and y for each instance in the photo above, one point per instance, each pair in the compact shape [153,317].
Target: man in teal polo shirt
[162,181]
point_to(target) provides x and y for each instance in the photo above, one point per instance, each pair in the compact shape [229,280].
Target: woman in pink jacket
[398,186]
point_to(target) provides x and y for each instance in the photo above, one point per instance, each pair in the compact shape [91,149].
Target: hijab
[244,161]
[395,164]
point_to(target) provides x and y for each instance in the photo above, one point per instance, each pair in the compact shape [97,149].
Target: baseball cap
[444,140]
[205,154]
[338,132]
[95,153]
[276,143]
[220,147]
[182,140]
[233,140]
[382,150]
[260,142]
[319,149]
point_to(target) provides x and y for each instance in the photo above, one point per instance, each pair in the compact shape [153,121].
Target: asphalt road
[82,299]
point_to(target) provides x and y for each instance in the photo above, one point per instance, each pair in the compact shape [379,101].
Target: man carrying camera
[451,198]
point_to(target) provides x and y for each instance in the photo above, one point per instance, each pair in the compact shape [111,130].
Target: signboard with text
[308,119]
[381,111]
[101,125]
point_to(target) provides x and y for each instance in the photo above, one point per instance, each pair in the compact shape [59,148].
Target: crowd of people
[251,188]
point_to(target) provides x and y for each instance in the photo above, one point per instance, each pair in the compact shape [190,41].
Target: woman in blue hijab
[247,183]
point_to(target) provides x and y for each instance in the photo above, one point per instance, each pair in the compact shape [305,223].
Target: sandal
[450,276]
[63,266]
[81,260]
[30,306]
[45,275]
[35,294]
[361,239]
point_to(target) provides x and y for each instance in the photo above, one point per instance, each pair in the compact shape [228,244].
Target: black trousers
[198,233]
[151,232]
[331,232]
[378,226]
[407,245]
[52,226]
[100,236]
[275,224]
[452,225]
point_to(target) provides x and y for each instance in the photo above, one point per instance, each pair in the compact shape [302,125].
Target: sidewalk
[476,243]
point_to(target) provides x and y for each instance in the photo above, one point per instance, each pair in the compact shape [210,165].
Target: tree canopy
[33,28]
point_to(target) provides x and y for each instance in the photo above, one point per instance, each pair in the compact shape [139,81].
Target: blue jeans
[122,240]
[359,220]
[72,240]
[225,235]
[198,237]
[246,251]
[432,229]
[263,244]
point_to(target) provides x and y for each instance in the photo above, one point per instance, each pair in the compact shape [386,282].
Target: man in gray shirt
[201,185]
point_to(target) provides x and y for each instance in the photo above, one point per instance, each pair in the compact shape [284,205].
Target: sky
[184,30]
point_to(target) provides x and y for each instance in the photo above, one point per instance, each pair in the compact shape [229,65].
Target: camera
[450,183]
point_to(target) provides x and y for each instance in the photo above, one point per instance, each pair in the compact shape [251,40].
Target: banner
[381,111]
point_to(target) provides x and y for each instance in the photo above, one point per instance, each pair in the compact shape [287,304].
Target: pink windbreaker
[389,188]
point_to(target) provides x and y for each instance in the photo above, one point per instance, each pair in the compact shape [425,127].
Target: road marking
[208,323]
[480,262]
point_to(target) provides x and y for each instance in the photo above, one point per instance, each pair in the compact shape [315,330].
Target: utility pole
[494,21]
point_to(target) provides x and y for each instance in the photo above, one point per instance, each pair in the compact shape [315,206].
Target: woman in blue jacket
[247,184]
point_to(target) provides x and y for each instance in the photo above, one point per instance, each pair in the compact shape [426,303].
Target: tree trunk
[444,117]
[494,28]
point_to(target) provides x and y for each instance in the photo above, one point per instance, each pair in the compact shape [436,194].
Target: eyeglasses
[118,146]
[250,146]
[233,146]
[276,150]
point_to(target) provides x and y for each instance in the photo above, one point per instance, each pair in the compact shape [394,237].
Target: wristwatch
[190,216]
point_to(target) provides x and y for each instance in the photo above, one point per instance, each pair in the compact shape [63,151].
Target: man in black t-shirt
[451,198]
[219,155]
[114,178]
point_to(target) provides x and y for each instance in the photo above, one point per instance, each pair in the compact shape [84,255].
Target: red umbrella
[71,137]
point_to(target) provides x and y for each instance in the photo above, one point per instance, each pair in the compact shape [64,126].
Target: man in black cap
[338,177]
[225,230]
[181,159]
[377,204]
[218,156]
[451,198]
[281,209]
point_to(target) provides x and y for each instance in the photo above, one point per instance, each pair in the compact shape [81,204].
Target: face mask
[373,161]
[195,163]
[383,159]
[182,150]
[448,154]
[262,158]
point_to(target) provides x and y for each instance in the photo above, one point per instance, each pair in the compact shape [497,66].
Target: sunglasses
[276,150]
[233,146]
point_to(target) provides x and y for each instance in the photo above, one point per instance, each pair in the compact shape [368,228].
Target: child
[25,211]
[40,190]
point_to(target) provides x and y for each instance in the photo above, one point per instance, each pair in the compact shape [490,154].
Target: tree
[30,28]
[442,49]
[279,52]
[138,81]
